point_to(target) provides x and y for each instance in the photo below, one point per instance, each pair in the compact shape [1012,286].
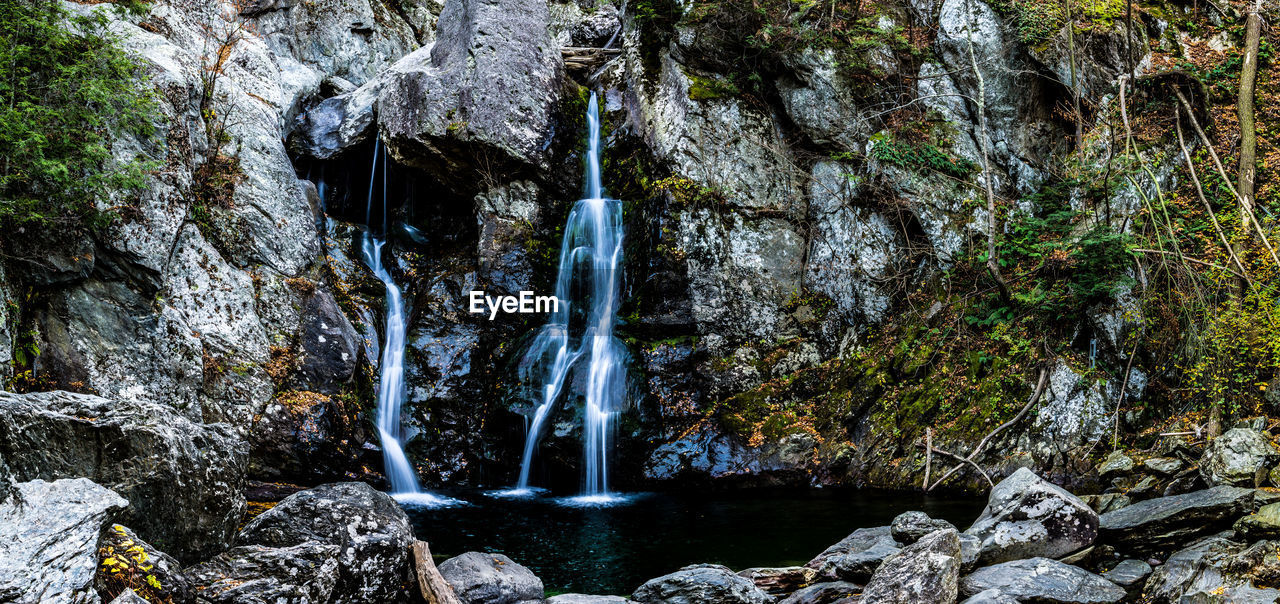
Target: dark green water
[614,549]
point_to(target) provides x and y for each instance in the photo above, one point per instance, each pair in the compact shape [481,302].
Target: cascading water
[391,386]
[580,330]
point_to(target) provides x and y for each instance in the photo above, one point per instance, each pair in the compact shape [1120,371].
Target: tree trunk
[993,265]
[1244,109]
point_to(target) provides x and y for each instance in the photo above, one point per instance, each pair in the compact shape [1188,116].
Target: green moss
[705,89]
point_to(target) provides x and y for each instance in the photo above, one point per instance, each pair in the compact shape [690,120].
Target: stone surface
[710,454]
[857,556]
[1166,522]
[1240,457]
[49,534]
[1027,517]
[1115,463]
[371,531]
[926,572]
[1042,580]
[1128,573]
[700,584]
[585,599]
[306,437]
[780,581]
[823,593]
[1263,524]
[122,543]
[909,527]
[307,572]
[184,480]
[480,578]
[1167,466]
[1106,502]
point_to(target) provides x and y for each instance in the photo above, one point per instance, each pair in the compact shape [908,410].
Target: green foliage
[65,88]
[1035,21]
[703,89]
[922,156]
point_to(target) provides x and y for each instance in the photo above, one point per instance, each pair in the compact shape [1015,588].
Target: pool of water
[612,547]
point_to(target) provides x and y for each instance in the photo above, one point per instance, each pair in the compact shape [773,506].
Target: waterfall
[581,329]
[391,385]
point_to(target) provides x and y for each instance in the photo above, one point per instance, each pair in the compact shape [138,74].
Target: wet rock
[857,556]
[328,350]
[184,480]
[1238,594]
[1166,522]
[1146,488]
[1106,502]
[480,578]
[1074,412]
[1240,457]
[990,596]
[305,437]
[708,454]
[585,599]
[487,89]
[700,584]
[1115,463]
[1199,567]
[780,581]
[49,534]
[1128,573]
[370,529]
[909,527]
[1263,524]
[122,543]
[128,596]
[307,572]
[1042,580]
[1027,516]
[823,593]
[1167,466]
[926,572]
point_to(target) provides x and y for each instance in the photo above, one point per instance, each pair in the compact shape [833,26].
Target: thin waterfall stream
[579,333]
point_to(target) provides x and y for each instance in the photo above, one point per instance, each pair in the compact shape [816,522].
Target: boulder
[1128,573]
[49,534]
[328,347]
[369,528]
[1027,516]
[129,596]
[184,480]
[1263,524]
[1238,594]
[1042,580]
[1240,457]
[780,581]
[585,599]
[700,584]
[128,563]
[990,596]
[857,556]
[485,92]
[926,572]
[1165,522]
[1199,567]
[909,527]
[1115,463]
[1167,466]
[480,578]
[823,593]
[1106,502]
[307,572]
[305,437]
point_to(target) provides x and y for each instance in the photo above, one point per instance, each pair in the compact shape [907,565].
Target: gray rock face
[1166,522]
[488,88]
[1042,580]
[857,556]
[926,572]
[308,572]
[1240,457]
[991,596]
[909,527]
[49,535]
[480,578]
[700,584]
[1027,516]
[1166,466]
[1074,412]
[1128,573]
[369,528]
[129,596]
[1199,567]
[1263,524]
[1107,502]
[708,454]
[184,480]
[328,347]
[780,581]
[304,437]
[823,593]
[585,599]
[1115,463]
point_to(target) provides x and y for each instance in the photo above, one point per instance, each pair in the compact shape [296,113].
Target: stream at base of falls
[614,549]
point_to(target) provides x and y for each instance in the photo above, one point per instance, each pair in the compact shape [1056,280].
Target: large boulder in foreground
[1042,580]
[700,584]
[480,578]
[253,573]
[184,480]
[925,572]
[1240,457]
[1027,516]
[486,91]
[855,557]
[909,527]
[49,534]
[1165,522]
[1217,569]
[369,528]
